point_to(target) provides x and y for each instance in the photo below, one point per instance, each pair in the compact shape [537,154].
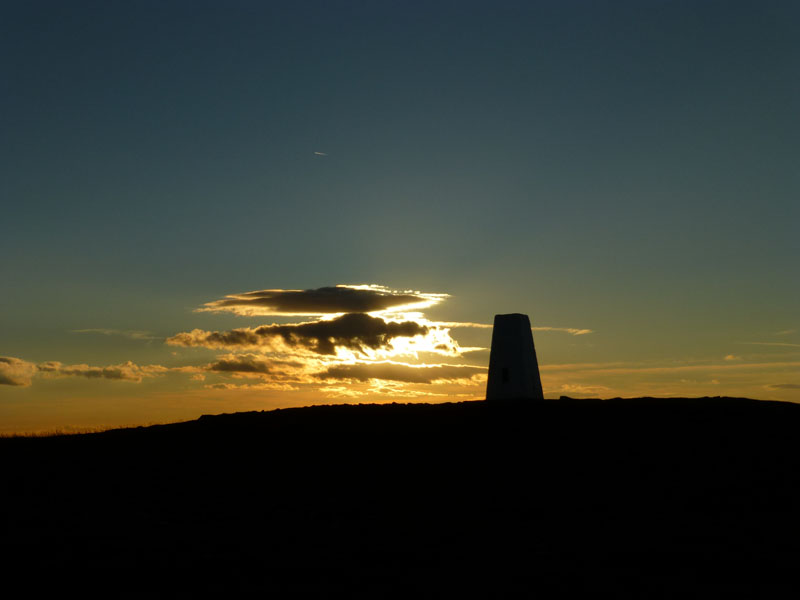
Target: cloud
[242,363]
[321,153]
[283,387]
[457,324]
[127,371]
[785,332]
[783,344]
[460,324]
[134,335]
[342,391]
[400,390]
[732,357]
[355,331]
[569,330]
[401,372]
[254,365]
[576,388]
[16,372]
[322,301]
[621,368]
[784,386]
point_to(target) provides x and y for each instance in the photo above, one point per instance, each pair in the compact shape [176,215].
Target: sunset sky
[210,207]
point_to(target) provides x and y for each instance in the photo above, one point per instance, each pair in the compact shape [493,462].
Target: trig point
[513,370]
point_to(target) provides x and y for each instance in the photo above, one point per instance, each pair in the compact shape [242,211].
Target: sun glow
[373,337]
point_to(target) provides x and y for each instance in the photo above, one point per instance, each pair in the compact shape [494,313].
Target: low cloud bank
[401,372]
[127,371]
[254,364]
[18,372]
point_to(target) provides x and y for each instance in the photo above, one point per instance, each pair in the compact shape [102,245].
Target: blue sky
[624,167]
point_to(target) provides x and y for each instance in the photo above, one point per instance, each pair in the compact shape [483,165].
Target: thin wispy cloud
[321,153]
[391,389]
[342,391]
[576,388]
[392,371]
[464,325]
[785,332]
[778,344]
[397,389]
[633,368]
[569,330]
[783,386]
[673,378]
[259,387]
[467,325]
[132,334]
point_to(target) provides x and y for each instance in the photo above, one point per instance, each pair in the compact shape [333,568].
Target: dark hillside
[641,497]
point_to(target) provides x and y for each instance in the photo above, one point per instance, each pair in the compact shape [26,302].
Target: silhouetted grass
[627,497]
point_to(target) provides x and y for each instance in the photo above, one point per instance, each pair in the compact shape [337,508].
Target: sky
[211,207]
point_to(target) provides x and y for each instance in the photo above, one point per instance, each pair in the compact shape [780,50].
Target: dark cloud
[400,372]
[250,363]
[354,331]
[241,364]
[784,386]
[217,339]
[321,301]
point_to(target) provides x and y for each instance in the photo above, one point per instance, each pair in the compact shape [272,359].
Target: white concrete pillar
[513,369]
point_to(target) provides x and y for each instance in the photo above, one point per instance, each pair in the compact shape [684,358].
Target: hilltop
[625,496]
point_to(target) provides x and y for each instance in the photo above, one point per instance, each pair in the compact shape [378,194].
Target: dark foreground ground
[624,498]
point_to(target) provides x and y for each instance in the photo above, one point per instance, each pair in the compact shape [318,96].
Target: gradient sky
[626,168]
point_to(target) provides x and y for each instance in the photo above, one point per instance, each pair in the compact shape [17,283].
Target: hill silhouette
[626,497]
